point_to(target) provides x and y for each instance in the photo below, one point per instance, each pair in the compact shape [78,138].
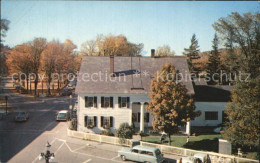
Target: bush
[73,124]
[125,131]
[107,132]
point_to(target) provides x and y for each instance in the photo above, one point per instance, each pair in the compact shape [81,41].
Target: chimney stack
[152,53]
[112,65]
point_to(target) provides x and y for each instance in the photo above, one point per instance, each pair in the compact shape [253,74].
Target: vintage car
[141,154]
[21,116]
[62,115]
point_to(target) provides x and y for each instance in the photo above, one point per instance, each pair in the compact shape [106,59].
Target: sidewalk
[113,148]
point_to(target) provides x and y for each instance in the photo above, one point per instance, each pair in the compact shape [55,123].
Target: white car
[197,158]
[62,115]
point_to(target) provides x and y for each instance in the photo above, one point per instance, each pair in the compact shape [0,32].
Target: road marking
[114,157]
[90,155]
[59,148]
[87,161]
[79,148]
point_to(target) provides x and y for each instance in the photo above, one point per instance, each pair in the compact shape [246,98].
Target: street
[24,141]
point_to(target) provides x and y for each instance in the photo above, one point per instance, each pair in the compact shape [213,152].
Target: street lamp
[48,156]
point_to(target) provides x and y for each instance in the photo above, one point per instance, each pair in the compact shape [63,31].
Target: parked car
[197,158]
[62,115]
[21,116]
[141,154]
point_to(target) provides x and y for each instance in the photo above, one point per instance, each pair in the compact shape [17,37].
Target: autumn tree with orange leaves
[170,104]
[18,61]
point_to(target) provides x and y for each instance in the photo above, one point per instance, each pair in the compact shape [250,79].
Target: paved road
[23,142]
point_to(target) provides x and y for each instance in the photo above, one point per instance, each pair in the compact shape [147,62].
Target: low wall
[214,157]
[98,138]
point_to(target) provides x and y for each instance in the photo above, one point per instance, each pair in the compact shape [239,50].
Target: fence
[98,138]
[214,157]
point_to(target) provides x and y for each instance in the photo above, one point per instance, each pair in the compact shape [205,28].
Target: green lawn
[201,142]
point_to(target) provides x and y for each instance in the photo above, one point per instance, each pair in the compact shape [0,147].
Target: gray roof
[101,65]
[213,93]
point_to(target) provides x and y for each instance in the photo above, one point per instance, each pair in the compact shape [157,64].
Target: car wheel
[123,157]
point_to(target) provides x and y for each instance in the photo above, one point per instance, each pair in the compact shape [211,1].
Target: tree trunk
[35,85]
[49,88]
[169,135]
[27,85]
[58,84]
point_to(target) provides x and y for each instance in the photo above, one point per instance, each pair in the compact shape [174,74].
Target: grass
[201,142]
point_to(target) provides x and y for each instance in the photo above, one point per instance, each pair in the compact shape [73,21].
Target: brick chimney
[112,65]
[152,53]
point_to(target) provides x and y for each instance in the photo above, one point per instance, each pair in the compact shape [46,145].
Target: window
[146,153]
[211,115]
[134,150]
[91,101]
[124,102]
[107,102]
[134,117]
[90,121]
[146,117]
[106,122]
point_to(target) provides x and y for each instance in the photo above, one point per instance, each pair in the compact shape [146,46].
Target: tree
[89,48]
[18,61]
[111,45]
[192,52]
[37,46]
[4,28]
[164,50]
[50,60]
[214,61]
[170,104]
[241,32]
[242,129]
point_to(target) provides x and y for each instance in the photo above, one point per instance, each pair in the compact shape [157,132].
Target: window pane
[106,102]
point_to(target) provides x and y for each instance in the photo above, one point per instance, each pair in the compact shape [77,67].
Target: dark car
[21,116]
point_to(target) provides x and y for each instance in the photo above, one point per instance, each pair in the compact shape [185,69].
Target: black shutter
[102,121]
[86,101]
[95,121]
[139,117]
[128,102]
[119,102]
[111,102]
[147,117]
[95,101]
[86,121]
[102,102]
[111,121]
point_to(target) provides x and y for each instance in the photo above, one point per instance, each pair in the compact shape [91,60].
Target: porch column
[188,128]
[142,117]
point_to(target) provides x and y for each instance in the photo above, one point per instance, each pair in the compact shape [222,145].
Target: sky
[153,23]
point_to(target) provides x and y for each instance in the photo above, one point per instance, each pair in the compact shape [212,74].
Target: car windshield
[61,115]
[158,152]
[21,113]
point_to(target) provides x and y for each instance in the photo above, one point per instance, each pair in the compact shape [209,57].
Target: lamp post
[48,155]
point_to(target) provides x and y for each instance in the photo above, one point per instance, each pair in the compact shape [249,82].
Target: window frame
[94,101]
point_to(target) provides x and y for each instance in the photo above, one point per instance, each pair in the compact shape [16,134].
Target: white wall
[208,106]
[120,115]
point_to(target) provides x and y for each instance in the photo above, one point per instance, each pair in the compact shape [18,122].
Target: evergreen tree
[170,104]
[192,52]
[214,62]
[243,114]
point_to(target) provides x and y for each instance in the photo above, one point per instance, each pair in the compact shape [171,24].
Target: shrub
[73,124]
[107,132]
[125,131]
